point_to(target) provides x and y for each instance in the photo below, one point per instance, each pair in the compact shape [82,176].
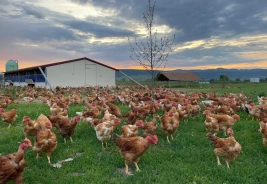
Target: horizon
[2,69]
[208,34]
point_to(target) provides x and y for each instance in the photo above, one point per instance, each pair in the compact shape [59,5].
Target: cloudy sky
[209,33]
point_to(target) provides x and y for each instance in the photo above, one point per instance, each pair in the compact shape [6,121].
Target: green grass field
[188,159]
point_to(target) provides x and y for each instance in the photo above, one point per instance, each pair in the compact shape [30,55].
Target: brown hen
[45,142]
[12,165]
[228,148]
[132,148]
[169,124]
[9,117]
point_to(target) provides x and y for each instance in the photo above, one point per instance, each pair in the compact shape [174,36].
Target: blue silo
[11,65]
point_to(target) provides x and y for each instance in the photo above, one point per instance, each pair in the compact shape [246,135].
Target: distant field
[251,89]
[188,159]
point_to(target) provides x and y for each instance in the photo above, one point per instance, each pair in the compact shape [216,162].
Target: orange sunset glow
[261,64]
[22,64]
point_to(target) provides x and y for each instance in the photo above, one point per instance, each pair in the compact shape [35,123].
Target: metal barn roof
[59,63]
[178,76]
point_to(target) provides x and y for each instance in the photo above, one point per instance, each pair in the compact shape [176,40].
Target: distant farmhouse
[75,73]
[178,76]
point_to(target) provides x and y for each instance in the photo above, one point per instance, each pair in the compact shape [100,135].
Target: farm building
[178,76]
[254,79]
[2,81]
[76,72]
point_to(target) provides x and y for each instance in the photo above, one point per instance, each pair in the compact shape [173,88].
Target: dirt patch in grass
[78,173]
[121,171]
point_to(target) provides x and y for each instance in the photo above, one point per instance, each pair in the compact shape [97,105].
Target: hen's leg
[103,145]
[37,156]
[127,170]
[227,164]
[64,140]
[48,157]
[9,126]
[71,140]
[218,160]
[137,168]
[168,139]
[172,137]
[25,135]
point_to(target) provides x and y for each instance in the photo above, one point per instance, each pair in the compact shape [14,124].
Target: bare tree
[153,53]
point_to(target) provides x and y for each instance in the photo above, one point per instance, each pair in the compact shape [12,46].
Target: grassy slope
[189,158]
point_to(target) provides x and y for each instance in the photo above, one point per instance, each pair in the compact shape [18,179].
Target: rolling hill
[242,74]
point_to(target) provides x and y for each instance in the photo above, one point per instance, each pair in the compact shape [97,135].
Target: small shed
[178,76]
[75,73]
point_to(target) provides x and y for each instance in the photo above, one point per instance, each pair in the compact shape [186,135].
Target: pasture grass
[188,159]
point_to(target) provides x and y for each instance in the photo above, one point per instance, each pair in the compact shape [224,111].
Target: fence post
[45,78]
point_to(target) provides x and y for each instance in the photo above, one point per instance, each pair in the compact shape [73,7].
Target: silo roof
[11,61]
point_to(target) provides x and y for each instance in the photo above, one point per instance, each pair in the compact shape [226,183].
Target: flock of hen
[220,115]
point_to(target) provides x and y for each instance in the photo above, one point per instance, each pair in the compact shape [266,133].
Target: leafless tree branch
[152,54]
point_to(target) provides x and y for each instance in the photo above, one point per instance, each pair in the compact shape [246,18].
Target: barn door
[90,74]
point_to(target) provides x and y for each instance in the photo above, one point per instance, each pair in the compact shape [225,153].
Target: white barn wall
[80,73]
[68,74]
[105,76]
[90,74]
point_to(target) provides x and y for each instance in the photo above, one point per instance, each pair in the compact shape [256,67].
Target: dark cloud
[207,18]
[3,11]
[93,28]
[100,31]
[196,19]
[33,12]
[4,2]
[113,52]
[35,32]
[62,36]
[50,33]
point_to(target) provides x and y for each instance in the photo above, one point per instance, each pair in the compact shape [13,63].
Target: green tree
[223,79]
[212,80]
[237,80]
